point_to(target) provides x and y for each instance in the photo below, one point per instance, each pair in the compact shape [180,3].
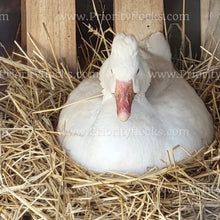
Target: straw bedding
[39,181]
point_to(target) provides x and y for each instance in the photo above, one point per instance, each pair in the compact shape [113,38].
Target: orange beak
[124,95]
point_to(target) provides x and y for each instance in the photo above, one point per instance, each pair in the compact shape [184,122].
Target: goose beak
[124,95]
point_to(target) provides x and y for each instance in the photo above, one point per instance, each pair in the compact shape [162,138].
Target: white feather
[166,112]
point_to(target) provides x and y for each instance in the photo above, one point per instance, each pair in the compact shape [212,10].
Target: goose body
[146,110]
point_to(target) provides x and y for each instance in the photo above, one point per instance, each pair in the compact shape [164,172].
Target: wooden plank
[210,22]
[204,8]
[141,17]
[60,22]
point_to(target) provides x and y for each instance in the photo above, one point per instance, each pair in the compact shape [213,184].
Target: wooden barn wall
[210,18]
[210,21]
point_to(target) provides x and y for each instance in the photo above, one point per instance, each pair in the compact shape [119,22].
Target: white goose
[141,115]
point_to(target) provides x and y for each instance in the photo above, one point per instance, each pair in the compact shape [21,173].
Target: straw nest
[40,181]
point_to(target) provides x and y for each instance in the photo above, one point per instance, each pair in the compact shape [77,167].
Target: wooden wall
[59,19]
[136,17]
[62,30]
[141,18]
[210,25]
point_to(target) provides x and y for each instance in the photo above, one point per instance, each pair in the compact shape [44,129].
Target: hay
[39,180]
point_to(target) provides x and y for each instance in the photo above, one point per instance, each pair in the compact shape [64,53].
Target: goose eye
[137,71]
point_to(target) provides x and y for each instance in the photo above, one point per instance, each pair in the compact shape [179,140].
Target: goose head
[124,74]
